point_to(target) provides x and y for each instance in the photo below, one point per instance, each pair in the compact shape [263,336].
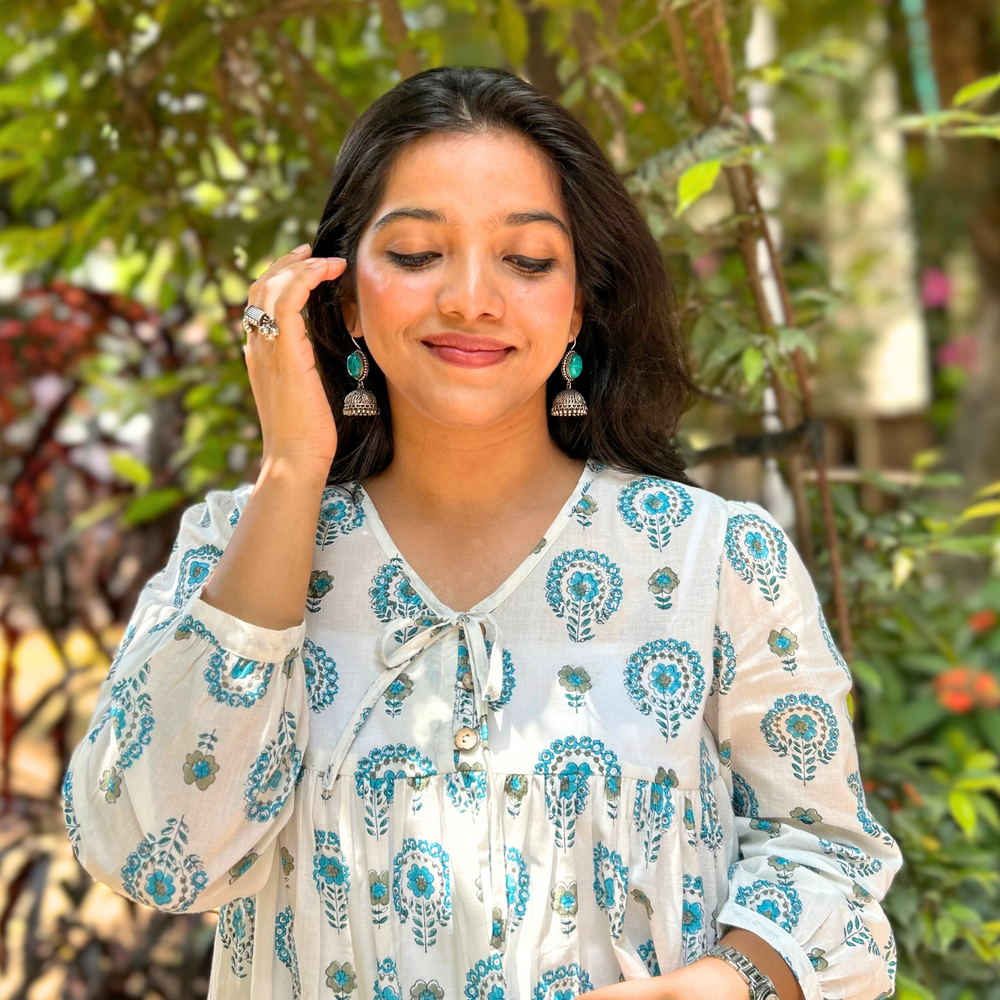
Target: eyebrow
[510,220]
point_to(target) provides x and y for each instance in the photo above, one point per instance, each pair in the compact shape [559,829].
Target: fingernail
[305,246]
[336,260]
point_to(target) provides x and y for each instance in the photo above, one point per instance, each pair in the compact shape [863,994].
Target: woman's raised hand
[295,417]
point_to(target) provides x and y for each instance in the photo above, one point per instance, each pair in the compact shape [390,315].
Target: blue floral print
[585,509]
[665,677]
[564,901]
[828,639]
[562,983]
[783,644]
[393,596]
[865,818]
[320,584]
[758,552]
[804,728]
[723,662]
[130,714]
[611,886]
[332,876]
[779,903]
[648,954]
[161,873]
[339,514]
[386,985]
[655,506]
[321,676]
[694,933]
[585,588]
[744,797]
[284,947]
[653,810]
[661,585]
[569,764]
[576,682]
[237,681]
[274,773]
[485,981]
[518,883]
[401,857]
[375,780]
[195,567]
[421,889]
[236,933]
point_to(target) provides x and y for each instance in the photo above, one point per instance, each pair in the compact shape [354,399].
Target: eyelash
[401,259]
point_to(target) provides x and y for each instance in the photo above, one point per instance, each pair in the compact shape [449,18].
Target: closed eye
[526,265]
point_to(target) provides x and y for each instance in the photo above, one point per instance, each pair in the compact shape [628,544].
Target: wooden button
[467,682]
[466,738]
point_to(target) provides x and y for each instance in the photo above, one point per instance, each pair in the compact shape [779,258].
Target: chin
[469,410]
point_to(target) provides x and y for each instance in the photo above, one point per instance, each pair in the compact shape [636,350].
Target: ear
[577,321]
[350,313]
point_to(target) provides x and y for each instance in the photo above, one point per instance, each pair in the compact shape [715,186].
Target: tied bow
[487,677]
[486,667]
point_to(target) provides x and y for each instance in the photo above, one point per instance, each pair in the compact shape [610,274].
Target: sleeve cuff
[733,915]
[241,638]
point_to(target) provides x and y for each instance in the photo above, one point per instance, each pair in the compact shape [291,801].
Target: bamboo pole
[710,23]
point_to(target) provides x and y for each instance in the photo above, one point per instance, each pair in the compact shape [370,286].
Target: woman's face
[466,309]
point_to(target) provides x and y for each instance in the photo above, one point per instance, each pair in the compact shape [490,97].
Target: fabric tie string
[486,667]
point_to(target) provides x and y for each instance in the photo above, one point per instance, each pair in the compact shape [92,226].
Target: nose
[469,287]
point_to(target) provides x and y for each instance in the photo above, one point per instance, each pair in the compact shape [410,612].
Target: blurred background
[823,179]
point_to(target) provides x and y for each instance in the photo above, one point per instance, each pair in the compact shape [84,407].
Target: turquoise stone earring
[569,403]
[359,402]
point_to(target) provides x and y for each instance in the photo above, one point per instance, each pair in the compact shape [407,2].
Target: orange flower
[961,689]
[986,690]
[982,621]
[954,689]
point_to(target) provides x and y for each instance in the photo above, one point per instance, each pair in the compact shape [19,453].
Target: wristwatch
[761,987]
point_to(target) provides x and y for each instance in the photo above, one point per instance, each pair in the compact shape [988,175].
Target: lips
[467,350]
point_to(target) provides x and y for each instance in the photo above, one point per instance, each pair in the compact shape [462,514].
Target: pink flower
[935,289]
[638,107]
[706,265]
[959,352]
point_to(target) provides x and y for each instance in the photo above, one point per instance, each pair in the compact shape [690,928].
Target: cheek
[546,309]
[389,294]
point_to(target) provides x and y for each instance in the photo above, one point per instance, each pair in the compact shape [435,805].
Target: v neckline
[494,599]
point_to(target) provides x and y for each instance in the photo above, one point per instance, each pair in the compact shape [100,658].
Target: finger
[282,263]
[294,293]
[284,296]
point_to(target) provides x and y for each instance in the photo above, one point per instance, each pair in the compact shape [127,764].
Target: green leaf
[963,812]
[154,504]
[126,465]
[982,87]
[910,989]
[92,515]
[753,364]
[868,677]
[513,31]
[694,182]
[988,508]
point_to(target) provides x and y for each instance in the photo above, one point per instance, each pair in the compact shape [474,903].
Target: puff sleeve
[813,863]
[177,794]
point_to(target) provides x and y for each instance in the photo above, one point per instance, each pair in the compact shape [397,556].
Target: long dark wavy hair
[635,377]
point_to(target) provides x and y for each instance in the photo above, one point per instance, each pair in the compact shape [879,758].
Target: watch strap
[761,987]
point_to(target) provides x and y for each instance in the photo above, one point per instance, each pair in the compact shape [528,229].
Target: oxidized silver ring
[254,318]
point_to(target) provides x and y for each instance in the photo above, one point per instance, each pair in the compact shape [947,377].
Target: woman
[472,693]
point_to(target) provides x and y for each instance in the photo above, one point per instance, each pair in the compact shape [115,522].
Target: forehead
[479,179]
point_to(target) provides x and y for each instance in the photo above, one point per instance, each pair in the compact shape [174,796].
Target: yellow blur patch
[38,668]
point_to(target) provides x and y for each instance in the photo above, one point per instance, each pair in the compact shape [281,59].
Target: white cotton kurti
[640,739]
